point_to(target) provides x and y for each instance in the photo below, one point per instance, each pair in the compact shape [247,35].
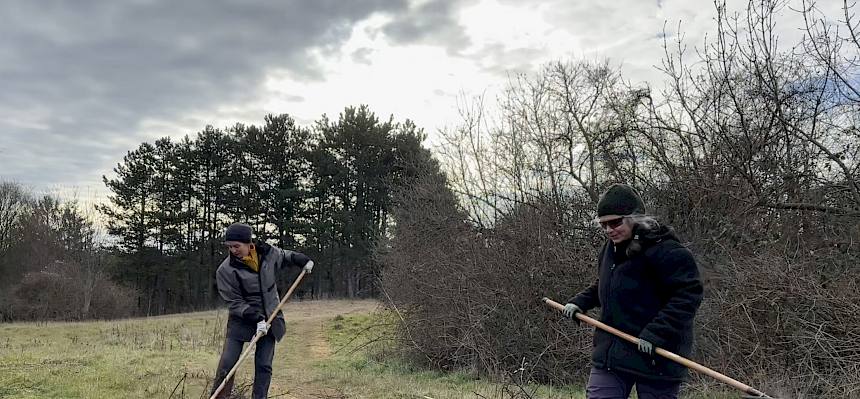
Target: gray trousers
[603,384]
[263,355]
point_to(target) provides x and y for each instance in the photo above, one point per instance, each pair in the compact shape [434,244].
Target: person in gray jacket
[247,282]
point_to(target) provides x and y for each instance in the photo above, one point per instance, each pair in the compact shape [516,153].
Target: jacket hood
[661,233]
[643,239]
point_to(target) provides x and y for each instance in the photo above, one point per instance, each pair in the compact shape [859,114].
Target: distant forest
[324,190]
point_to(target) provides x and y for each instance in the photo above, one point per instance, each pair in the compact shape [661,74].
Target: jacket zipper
[260,282]
[262,293]
[609,284]
[611,339]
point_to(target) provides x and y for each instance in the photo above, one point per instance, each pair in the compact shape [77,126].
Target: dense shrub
[65,293]
[780,313]
[471,298]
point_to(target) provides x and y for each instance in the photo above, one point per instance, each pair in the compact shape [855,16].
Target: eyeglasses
[612,224]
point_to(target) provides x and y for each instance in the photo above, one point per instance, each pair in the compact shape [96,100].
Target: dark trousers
[604,384]
[263,355]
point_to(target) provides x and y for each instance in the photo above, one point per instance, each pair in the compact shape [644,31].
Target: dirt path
[293,374]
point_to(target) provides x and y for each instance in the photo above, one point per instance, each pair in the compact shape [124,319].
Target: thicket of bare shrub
[62,292]
[750,152]
[779,314]
[781,299]
[52,263]
[471,298]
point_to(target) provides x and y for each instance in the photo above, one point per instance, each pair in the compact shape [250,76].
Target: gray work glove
[646,347]
[309,267]
[262,328]
[570,311]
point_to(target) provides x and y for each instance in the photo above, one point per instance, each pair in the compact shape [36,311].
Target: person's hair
[640,224]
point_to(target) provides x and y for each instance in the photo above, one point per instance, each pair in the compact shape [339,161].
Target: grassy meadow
[332,350]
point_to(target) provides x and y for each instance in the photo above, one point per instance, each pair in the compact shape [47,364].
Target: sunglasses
[612,224]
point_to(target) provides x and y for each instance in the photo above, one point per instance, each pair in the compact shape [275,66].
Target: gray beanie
[620,199]
[238,232]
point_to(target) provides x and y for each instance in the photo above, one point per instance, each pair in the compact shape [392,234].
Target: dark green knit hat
[620,199]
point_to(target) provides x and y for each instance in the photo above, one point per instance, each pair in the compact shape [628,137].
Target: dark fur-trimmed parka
[650,289]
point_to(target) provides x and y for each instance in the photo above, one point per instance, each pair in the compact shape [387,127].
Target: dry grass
[333,350]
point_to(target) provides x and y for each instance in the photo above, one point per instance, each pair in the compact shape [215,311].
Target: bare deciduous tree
[750,151]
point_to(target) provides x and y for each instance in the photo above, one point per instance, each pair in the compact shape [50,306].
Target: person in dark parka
[649,287]
[246,280]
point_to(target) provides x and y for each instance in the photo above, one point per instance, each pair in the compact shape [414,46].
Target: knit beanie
[620,199]
[238,232]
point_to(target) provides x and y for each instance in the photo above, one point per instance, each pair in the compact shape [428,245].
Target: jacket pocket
[626,355]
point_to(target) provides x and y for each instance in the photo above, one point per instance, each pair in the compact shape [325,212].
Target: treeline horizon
[323,190]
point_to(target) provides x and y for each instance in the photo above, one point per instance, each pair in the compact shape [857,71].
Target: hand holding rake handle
[662,352]
[257,337]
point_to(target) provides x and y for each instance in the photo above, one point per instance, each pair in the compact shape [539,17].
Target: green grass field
[332,350]
[361,363]
[137,358]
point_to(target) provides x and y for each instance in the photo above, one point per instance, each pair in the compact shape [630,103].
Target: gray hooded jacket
[246,291]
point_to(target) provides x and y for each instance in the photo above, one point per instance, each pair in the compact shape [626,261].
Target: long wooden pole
[257,337]
[662,352]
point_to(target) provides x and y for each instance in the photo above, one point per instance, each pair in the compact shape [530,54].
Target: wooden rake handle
[257,337]
[662,352]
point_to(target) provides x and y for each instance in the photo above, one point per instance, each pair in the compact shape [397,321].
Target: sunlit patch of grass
[366,366]
[364,361]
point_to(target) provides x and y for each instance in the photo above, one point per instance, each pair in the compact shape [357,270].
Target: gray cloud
[362,55]
[497,59]
[79,78]
[293,98]
[431,22]
[80,81]
[624,31]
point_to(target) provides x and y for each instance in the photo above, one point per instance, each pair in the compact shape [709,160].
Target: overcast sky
[82,83]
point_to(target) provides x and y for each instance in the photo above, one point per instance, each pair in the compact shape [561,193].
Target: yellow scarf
[252,260]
